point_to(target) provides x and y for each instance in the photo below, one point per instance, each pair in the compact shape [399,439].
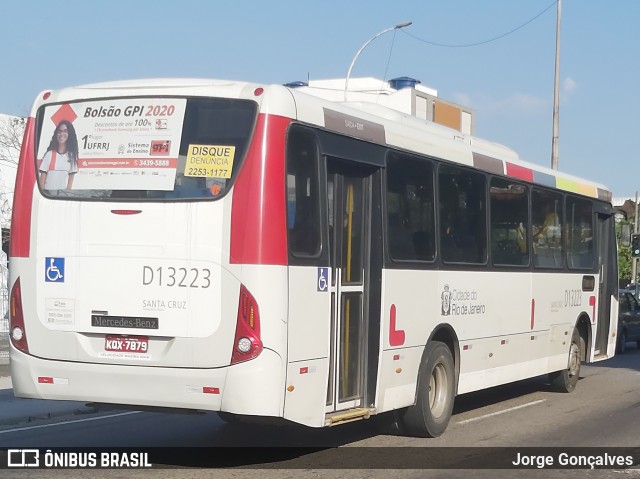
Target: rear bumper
[255,387]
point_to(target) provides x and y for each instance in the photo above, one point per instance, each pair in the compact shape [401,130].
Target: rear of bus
[153,280]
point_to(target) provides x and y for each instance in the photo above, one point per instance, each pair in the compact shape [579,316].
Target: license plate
[128,344]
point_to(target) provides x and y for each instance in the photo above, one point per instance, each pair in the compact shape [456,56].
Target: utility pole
[634,261]
[556,95]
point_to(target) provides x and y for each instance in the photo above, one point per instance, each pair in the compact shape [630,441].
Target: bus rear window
[142,148]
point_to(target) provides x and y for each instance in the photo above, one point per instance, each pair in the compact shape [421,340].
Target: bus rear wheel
[430,416]
[565,381]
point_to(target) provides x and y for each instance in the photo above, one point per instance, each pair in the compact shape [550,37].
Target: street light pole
[556,95]
[398,26]
[634,261]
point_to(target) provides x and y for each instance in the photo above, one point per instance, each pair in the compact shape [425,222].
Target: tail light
[16,328]
[247,343]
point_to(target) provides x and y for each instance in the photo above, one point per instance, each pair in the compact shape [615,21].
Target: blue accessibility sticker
[54,270]
[323,279]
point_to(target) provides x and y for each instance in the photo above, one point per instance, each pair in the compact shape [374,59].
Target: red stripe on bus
[23,195]
[258,213]
[533,312]
[396,336]
[519,172]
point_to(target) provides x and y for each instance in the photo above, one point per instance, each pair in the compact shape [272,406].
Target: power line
[386,70]
[483,42]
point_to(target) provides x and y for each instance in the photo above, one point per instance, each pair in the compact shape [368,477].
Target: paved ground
[15,411]
[4,347]
[5,376]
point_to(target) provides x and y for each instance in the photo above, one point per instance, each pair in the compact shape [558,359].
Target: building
[405,95]
[625,207]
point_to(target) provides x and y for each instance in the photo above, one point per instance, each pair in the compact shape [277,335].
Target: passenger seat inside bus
[400,239]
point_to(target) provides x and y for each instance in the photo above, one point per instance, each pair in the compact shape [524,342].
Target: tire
[621,347]
[430,416]
[565,381]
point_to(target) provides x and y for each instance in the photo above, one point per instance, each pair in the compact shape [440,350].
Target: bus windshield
[142,148]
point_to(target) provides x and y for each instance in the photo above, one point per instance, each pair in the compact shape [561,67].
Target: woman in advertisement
[60,162]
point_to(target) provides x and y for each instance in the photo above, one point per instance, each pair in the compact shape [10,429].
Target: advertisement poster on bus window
[122,144]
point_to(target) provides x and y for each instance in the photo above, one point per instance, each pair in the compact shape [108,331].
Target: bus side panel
[559,302]
[408,316]
[500,339]
[398,378]
[491,314]
[308,347]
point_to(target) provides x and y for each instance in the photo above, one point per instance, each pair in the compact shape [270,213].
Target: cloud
[518,104]
[568,87]
[463,99]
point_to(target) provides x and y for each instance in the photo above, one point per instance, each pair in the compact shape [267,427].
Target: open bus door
[334,288]
[608,287]
[355,292]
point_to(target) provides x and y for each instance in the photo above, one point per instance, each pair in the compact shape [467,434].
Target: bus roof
[360,119]
[423,136]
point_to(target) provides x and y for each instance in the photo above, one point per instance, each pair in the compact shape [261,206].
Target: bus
[262,252]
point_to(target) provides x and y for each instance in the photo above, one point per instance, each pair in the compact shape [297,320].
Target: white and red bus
[258,251]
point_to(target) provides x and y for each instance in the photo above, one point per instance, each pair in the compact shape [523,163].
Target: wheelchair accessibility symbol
[54,270]
[323,279]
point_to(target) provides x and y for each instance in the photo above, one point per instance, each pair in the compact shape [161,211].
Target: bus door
[608,277]
[351,383]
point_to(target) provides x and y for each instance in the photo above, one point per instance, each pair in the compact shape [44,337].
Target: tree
[11,133]
[624,253]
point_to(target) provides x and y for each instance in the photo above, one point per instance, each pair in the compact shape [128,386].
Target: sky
[472,52]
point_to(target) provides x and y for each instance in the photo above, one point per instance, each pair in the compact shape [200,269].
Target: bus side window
[410,208]
[546,234]
[303,201]
[509,223]
[400,238]
[304,232]
[463,215]
[580,253]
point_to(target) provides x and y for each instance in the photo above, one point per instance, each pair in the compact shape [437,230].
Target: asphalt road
[603,413]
